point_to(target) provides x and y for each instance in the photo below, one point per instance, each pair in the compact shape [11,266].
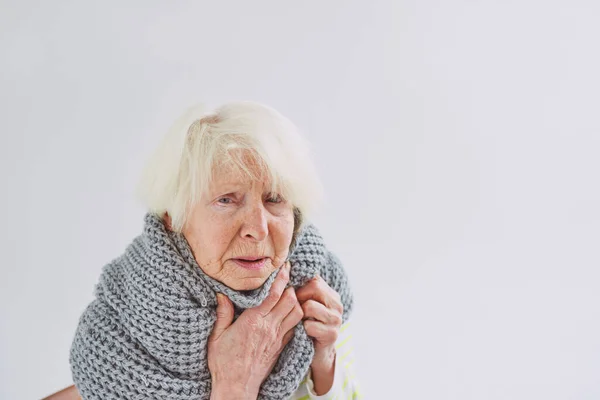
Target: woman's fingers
[286,303]
[283,276]
[323,310]
[317,289]
[287,337]
[324,334]
[292,318]
[224,315]
[318,311]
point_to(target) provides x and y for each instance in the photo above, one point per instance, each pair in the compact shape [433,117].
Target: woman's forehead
[238,172]
[233,176]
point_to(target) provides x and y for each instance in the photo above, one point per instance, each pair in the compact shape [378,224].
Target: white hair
[240,134]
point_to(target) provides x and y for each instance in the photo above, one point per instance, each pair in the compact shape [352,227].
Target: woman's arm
[69,393]
[345,384]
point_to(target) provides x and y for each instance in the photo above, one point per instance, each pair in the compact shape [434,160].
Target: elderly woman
[228,293]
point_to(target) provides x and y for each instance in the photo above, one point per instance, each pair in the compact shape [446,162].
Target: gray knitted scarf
[145,334]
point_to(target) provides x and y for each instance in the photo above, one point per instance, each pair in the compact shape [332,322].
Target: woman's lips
[254,265]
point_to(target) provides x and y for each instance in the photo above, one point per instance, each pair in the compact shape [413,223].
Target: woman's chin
[248,283]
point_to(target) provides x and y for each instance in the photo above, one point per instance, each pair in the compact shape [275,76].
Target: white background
[458,143]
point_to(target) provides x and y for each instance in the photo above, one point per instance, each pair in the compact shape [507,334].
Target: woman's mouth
[253,264]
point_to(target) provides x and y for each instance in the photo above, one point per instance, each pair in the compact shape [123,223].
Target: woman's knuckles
[275,295]
[307,303]
[264,329]
[324,334]
[331,336]
[311,309]
[298,312]
[289,298]
[336,319]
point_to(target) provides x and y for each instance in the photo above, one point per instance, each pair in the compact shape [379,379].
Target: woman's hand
[243,353]
[323,310]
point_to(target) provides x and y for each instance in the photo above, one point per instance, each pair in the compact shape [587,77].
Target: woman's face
[238,222]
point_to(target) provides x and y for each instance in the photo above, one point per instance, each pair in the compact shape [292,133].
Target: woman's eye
[274,198]
[225,200]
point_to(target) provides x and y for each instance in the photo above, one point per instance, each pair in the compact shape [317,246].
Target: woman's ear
[167,221]
[297,224]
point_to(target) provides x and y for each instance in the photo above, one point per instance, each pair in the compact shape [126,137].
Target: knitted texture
[145,334]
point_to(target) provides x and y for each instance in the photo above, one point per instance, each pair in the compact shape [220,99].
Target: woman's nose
[255,224]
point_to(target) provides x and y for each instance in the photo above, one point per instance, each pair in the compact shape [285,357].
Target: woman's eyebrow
[228,186]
